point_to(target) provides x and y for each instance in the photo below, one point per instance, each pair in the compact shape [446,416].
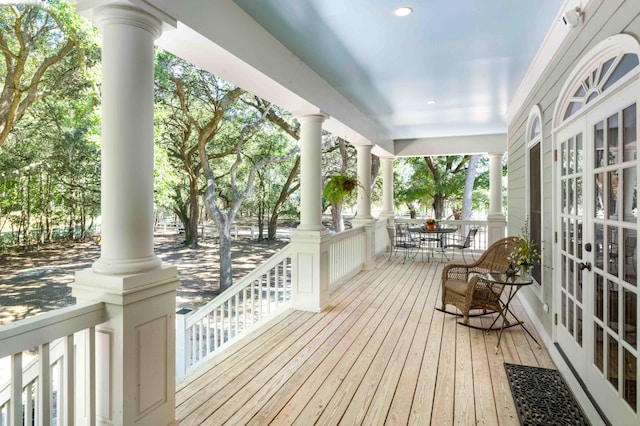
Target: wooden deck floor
[380,354]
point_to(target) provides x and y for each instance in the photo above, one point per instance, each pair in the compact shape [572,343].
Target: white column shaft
[364,181]
[495,184]
[127,141]
[311,172]
[387,188]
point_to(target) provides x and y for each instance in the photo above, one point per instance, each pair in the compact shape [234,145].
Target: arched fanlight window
[535,127]
[618,56]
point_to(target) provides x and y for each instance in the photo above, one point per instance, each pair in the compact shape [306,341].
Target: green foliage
[418,182]
[50,159]
[340,189]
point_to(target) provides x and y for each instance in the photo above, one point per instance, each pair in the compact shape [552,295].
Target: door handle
[584,266]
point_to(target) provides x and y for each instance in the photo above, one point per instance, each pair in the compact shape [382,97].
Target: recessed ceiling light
[402,11]
[431,102]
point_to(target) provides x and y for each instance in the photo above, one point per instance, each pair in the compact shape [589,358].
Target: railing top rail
[347,234]
[451,221]
[48,326]
[196,316]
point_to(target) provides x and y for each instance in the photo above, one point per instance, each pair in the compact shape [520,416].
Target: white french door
[596,264]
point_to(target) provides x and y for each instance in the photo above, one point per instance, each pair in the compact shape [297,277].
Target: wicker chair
[464,290]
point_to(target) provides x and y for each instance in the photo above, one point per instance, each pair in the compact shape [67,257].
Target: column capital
[319,117]
[364,148]
[133,12]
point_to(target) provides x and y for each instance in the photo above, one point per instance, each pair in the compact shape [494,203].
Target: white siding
[602,19]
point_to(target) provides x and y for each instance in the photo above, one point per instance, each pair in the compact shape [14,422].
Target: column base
[363,221]
[135,347]
[124,267]
[124,289]
[497,227]
[312,228]
[310,285]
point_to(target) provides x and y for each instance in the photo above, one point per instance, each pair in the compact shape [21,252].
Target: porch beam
[451,145]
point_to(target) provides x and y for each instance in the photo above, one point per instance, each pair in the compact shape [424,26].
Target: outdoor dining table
[440,234]
[514,283]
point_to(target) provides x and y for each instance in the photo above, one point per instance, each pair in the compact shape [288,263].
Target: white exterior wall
[602,19]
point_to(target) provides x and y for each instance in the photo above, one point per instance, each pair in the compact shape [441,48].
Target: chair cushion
[458,287]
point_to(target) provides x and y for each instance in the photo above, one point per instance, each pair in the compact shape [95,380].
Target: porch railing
[56,385]
[259,295]
[346,251]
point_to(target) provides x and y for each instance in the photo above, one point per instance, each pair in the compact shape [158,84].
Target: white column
[495,184]
[496,218]
[127,147]
[311,172]
[387,189]
[363,217]
[310,288]
[135,347]
[364,183]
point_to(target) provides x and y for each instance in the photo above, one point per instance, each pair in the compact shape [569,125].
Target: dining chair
[400,239]
[463,243]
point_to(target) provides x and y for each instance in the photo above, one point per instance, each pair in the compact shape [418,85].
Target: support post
[363,217]
[181,342]
[310,240]
[496,218]
[135,347]
[387,189]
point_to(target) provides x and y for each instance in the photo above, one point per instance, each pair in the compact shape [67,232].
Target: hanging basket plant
[340,188]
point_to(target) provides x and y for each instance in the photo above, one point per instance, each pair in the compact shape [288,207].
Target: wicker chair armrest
[458,272]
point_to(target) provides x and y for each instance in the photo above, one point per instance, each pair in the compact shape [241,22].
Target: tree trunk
[261,211]
[412,210]
[438,205]
[336,217]
[226,279]
[273,226]
[42,211]
[468,188]
[288,188]
[191,228]
[375,169]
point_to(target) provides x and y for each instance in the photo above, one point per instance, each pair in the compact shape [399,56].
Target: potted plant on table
[526,255]
[431,224]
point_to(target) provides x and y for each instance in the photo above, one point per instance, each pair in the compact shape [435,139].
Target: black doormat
[542,397]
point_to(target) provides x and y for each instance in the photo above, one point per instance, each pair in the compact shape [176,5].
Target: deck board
[379,354]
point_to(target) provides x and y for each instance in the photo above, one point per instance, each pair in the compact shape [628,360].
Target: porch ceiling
[372,72]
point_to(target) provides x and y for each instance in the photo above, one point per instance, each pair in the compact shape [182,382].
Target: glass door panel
[571,221]
[613,222]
